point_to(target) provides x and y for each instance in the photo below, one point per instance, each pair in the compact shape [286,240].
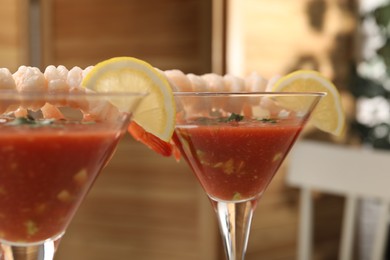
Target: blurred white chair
[355,173]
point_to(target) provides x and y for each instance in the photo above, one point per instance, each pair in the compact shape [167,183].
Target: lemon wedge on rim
[328,116]
[156,111]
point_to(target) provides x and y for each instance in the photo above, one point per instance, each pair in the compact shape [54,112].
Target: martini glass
[234,143]
[52,148]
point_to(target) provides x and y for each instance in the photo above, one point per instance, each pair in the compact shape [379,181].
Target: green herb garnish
[21,121]
[203,120]
[30,121]
[208,121]
[235,118]
[268,120]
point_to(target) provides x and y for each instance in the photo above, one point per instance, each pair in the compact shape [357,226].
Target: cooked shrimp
[234,84]
[255,83]
[178,80]
[271,82]
[7,82]
[62,72]
[215,83]
[56,83]
[56,80]
[151,141]
[197,83]
[269,104]
[99,109]
[208,83]
[29,79]
[52,112]
[21,112]
[86,71]
[91,108]
[74,77]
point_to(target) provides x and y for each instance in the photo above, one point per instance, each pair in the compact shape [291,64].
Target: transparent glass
[53,147]
[235,143]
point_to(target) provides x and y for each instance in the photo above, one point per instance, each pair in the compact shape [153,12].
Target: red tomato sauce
[236,162]
[44,175]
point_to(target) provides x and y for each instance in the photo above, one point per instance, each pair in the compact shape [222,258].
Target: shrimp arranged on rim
[57,81]
[210,82]
[60,80]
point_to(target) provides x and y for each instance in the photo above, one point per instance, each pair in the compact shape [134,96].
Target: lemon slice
[156,112]
[328,116]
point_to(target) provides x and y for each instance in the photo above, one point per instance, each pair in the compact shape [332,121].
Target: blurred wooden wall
[14,33]
[147,207]
[279,36]
[168,34]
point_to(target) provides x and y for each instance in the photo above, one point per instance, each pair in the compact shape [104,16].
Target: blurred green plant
[382,18]
[369,84]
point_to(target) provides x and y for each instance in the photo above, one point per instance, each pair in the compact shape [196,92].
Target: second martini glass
[234,144]
[52,148]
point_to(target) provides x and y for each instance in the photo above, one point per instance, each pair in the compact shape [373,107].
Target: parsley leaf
[235,117]
[30,121]
[268,120]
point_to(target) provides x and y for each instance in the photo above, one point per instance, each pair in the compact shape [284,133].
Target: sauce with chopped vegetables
[236,159]
[45,171]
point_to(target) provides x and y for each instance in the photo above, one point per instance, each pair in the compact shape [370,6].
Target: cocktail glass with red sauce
[235,143]
[53,147]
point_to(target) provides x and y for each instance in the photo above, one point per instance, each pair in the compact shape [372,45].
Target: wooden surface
[14,40]
[169,34]
[278,36]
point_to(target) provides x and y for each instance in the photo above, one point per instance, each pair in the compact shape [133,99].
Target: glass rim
[243,94]
[14,94]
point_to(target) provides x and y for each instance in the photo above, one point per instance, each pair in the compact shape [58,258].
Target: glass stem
[44,251]
[234,221]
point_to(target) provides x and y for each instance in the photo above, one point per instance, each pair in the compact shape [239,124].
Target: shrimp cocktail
[234,134]
[58,129]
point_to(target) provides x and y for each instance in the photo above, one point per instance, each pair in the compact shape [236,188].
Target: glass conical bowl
[53,147]
[235,143]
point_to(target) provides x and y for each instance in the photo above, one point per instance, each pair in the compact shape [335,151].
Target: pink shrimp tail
[175,150]
[151,141]
[52,112]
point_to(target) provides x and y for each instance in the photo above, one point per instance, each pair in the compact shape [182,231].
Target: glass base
[44,250]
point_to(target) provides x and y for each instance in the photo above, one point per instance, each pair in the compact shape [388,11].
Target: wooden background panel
[168,34]
[276,37]
[13,33]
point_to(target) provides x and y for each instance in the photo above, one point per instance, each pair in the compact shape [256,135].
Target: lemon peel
[156,111]
[328,116]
